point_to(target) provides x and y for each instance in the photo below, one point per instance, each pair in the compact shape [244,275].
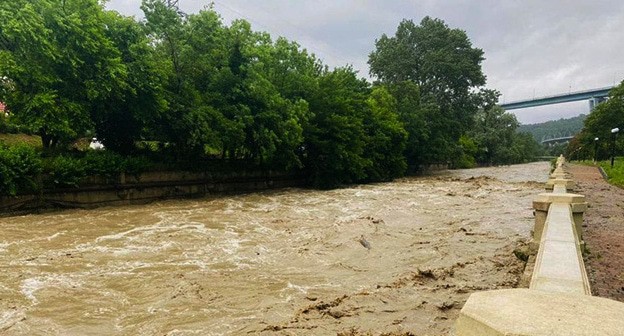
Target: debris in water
[364,242]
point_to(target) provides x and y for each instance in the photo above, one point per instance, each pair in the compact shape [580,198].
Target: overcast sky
[533,48]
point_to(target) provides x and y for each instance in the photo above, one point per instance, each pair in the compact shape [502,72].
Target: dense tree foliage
[57,65]
[605,117]
[191,89]
[435,74]
[554,128]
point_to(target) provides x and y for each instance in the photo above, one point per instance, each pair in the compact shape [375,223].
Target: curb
[603,173]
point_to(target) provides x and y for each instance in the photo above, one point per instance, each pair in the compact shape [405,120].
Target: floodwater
[288,262]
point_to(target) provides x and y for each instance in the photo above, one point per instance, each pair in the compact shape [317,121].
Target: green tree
[443,64]
[494,132]
[414,118]
[386,137]
[525,148]
[335,138]
[467,152]
[605,117]
[139,104]
[168,33]
[58,64]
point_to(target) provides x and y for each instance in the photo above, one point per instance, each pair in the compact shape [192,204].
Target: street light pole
[614,132]
[596,149]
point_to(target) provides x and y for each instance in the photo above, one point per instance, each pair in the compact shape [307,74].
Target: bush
[8,127]
[65,171]
[104,163]
[19,168]
[110,164]
[137,165]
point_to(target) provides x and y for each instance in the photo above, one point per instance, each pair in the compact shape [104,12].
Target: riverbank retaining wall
[143,188]
[558,300]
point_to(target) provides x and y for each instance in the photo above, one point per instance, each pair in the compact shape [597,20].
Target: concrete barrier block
[540,220]
[558,269]
[578,207]
[559,265]
[541,205]
[560,198]
[568,183]
[525,312]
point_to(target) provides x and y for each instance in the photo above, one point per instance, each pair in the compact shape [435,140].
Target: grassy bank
[615,174]
[21,139]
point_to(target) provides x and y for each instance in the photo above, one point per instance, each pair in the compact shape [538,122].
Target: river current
[286,262]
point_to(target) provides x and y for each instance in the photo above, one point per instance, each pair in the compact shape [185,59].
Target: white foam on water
[232,206]
[127,250]
[263,229]
[188,332]
[142,239]
[154,310]
[267,207]
[9,318]
[31,285]
[55,235]
[232,245]
[302,289]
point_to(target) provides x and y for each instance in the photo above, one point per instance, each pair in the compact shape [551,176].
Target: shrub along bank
[23,170]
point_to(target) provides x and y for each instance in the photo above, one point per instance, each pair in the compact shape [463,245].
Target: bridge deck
[557,99]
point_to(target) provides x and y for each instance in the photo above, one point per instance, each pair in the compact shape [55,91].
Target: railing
[558,300]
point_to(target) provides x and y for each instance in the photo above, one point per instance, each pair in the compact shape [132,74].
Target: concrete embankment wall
[558,300]
[146,187]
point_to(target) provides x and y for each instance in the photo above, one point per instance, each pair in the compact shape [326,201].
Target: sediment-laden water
[286,262]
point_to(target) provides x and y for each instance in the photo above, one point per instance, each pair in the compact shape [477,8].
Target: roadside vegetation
[177,91]
[601,137]
[616,174]
[606,117]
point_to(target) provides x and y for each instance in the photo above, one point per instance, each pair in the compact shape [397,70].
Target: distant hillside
[554,128]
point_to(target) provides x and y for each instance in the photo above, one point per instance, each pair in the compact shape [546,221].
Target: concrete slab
[559,264]
[569,184]
[524,312]
[557,226]
[560,198]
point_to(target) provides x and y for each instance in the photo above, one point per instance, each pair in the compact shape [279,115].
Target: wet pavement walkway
[603,232]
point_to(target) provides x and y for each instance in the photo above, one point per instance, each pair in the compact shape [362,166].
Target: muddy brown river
[287,262]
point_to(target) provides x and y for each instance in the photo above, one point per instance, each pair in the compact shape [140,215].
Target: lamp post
[596,149]
[614,136]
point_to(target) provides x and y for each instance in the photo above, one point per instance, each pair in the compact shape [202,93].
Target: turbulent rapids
[283,262]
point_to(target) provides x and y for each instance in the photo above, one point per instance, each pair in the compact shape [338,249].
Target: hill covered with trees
[186,90]
[554,128]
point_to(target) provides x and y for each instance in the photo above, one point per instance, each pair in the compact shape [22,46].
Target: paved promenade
[603,232]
